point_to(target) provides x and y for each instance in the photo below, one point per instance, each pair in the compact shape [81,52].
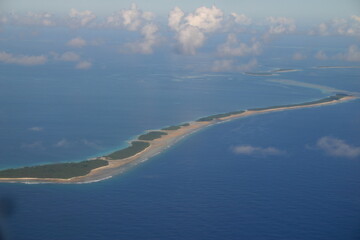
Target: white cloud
[248,66]
[22,59]
[352,54]
[44,19]
[206,19]
[338,26]
[30,18]
[191,29]
[90,144]
[83,65]
[80,19]
[62,143]
[241,19]
[224,65]
[131,19]
[337,147]
[69,57]
[257,151]
[189,39]
[298,56]
[279,25]
[321,55]
[232,47]
[356,18]
[77,42]
[148,16]
[145,46]
[175,18]
[36,129]
[4,19]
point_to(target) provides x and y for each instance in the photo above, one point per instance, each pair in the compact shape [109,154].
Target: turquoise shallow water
[199,189]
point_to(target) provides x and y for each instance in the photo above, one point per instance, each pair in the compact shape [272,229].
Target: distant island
[145,146]
[324,67]
[273,72]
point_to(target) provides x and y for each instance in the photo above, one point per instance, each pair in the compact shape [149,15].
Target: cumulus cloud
[77,42]
[257,151]
[241,19]
[248,66]
[3,19]
[145,46]
[175,17]
[224,65]
[356,18]
[190,39]
[298,56]
[131,19]
[279,25]
[229,65]
[338,26]
[22,59]
[191,29]
[67,57]
[337,148]
[62,143]
[44,19]
[83,65]
[91,144]
[320,55]
[206,19]
[36,129]
[352,54]
[134,19]
[233,47]
[30,18]
[80,18]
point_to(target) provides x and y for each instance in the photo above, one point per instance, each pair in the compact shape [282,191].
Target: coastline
[156,146]
[335,67]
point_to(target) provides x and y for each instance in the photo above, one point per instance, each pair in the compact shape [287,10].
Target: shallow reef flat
[144,147]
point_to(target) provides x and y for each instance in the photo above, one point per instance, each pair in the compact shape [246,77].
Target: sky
[314,9]
[232,34]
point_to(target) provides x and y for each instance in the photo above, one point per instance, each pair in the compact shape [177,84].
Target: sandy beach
[116,167]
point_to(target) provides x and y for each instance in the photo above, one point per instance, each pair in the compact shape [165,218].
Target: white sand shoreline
[116,167]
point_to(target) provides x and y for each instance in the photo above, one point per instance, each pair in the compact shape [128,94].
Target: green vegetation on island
[324,100]
[136,147]
[259,73]
[284,70]
[176,127]
[69,170]
[58,170]
[152,135]
[217,116]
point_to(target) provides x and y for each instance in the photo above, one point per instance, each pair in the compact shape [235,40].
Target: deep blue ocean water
[199,188]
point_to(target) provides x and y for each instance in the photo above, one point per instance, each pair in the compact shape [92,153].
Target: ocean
[284,185]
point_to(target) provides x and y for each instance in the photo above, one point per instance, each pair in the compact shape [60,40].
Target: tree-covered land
[217,116]
[324,100]
[152,135]
[176,127]
[58,170]
[136,147]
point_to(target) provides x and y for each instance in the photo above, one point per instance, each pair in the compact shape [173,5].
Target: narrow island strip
[145,146]
[272,73]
